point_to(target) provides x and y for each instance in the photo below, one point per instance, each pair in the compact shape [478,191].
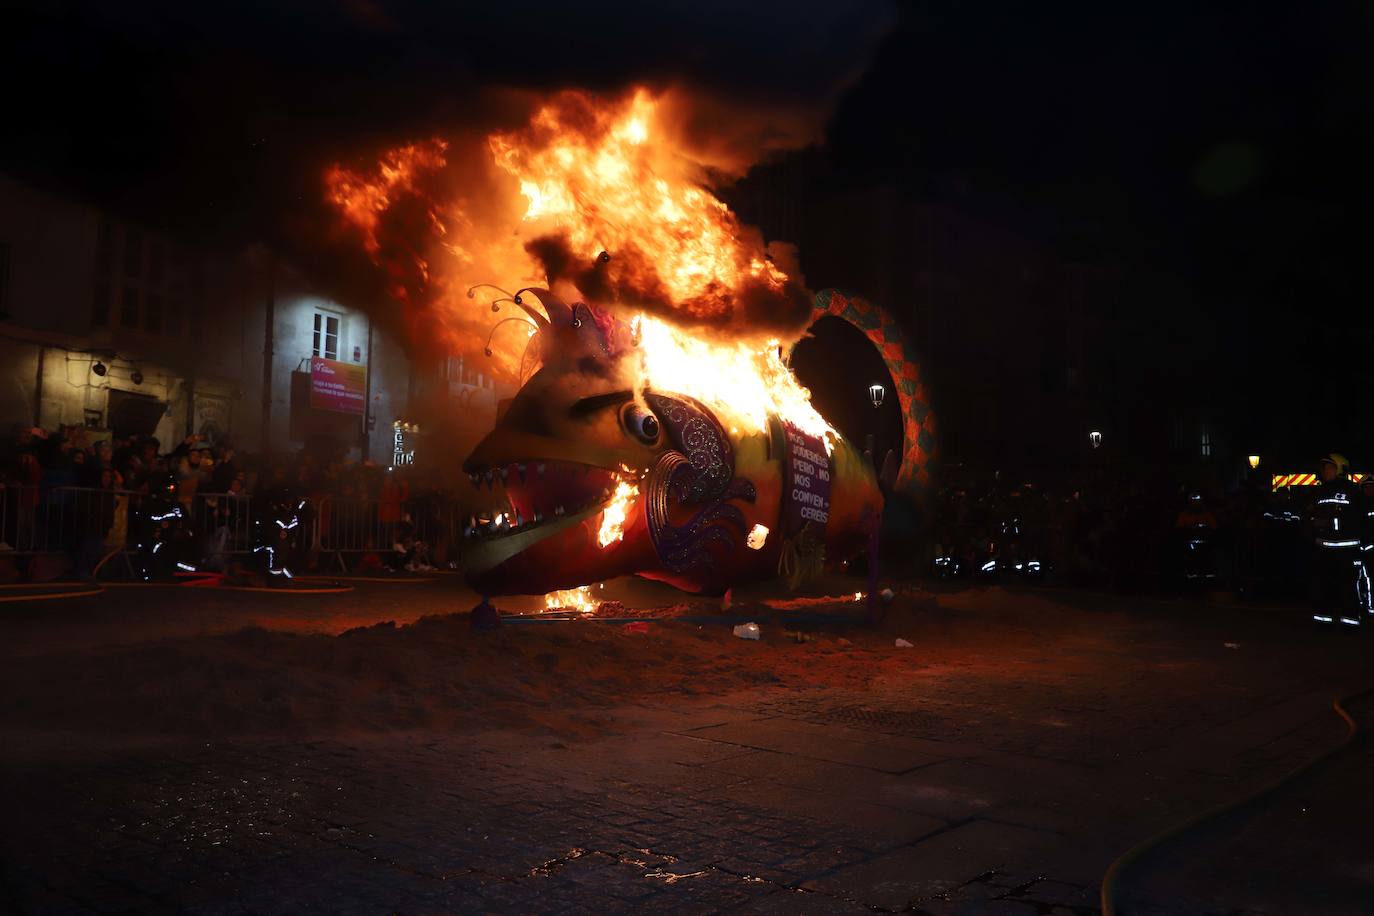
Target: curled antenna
[487,348]
[472,290]
[548,300]
[538,319]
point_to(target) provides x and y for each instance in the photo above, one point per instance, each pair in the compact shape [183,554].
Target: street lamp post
[875,394]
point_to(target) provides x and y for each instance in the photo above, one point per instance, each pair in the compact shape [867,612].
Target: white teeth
[519,519]
[538,516]
[558,511]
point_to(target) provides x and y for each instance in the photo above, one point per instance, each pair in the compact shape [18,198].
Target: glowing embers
[617,510]
[758,536]
[577,600]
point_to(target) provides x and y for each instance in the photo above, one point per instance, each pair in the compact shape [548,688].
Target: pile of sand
[438,672]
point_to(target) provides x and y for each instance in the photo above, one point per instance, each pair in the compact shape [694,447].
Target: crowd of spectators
[73,456]
[1141,535]
[48,479]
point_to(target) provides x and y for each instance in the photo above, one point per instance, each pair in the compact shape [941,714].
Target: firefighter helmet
[1340,461]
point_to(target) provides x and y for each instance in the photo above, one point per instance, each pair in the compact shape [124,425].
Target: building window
[155,262]
[326,337]
[128,308]
[104,247]
[194,306]
[100,305]
[4,279]
[152,313]
[174,310]
[133,253]
[1206,444]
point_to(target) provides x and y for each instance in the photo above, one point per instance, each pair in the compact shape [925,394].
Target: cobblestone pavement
[955,798]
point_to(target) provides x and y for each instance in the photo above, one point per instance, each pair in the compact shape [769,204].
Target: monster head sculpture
[586,479]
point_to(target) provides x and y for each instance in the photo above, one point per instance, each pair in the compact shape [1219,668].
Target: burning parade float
[657,429]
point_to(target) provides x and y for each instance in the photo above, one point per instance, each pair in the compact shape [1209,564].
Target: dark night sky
[1225,146]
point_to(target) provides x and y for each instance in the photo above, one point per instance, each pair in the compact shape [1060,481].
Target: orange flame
[609,180]
[571,599]
[362,199]
[594,175]
[614,515]
[586,173]
[743,381]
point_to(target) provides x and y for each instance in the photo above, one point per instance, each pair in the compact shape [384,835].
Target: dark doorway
[133,414]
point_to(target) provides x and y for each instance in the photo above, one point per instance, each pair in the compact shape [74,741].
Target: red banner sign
[337,386]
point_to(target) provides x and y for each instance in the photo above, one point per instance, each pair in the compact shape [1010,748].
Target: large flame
[585,175]
[743,381]
[610,180]
[364,198]
[538,204]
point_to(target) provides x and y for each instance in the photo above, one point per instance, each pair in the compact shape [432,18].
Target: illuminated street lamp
[1095,438]
[1254,461]
[876,392]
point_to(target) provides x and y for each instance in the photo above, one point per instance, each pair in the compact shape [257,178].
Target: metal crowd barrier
[348,525]
[37,520]
[86,522]
[223,524]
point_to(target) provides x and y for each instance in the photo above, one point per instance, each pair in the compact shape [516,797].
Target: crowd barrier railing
[37,520]
[223,524]
[356,525]
[85,522]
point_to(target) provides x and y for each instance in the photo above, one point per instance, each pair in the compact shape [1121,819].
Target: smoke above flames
[610,198]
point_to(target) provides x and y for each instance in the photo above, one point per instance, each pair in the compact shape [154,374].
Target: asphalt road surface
[178,750]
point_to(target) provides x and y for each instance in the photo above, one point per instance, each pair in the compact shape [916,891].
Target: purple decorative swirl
[702,472]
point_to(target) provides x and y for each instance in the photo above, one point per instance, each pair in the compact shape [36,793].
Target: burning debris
[579,600]
[758,536]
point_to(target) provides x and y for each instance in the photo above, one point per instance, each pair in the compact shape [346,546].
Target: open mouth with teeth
[528,495]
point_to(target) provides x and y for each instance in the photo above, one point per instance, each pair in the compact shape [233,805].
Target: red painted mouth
[525,494]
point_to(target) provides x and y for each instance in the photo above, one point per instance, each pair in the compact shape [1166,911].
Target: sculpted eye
[640,423]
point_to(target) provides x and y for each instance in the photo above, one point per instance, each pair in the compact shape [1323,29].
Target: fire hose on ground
[1124,861]
[81,591]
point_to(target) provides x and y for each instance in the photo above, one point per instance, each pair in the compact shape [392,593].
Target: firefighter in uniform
[1338,519]
[1366,593]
